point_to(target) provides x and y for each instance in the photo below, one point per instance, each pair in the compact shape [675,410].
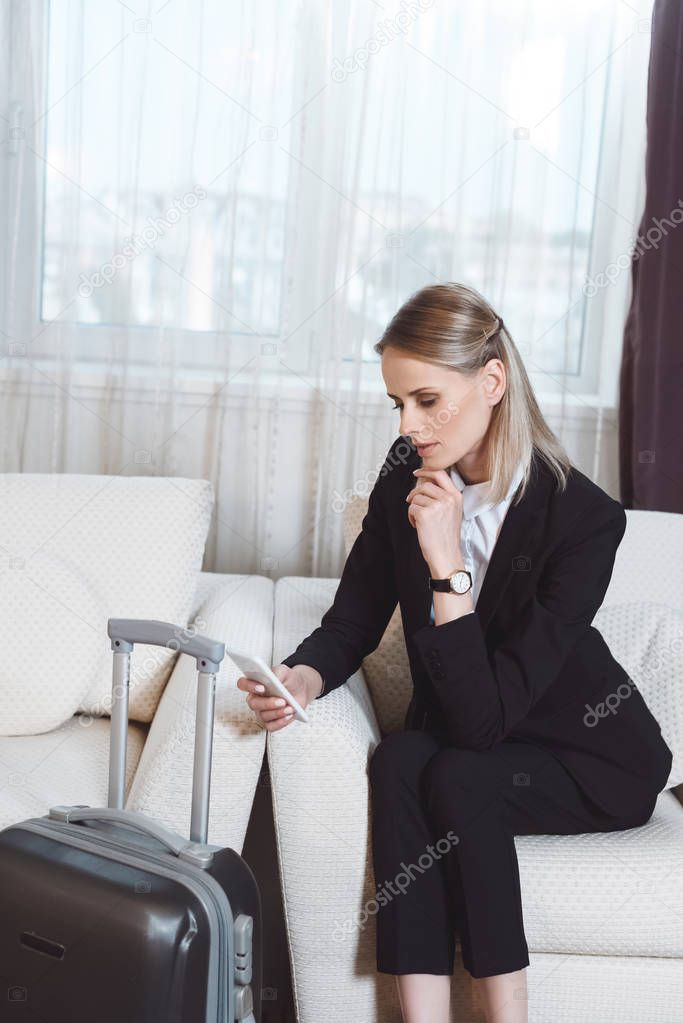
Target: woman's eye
[425,404]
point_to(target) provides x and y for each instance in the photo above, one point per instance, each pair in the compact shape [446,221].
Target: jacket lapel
[516,540]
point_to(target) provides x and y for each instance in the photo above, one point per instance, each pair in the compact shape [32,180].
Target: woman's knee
[457,777]
[403,751]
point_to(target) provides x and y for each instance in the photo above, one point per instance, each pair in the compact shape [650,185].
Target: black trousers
[443,821]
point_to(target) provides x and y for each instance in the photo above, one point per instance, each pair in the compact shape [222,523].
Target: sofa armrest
[321,806]
[237,609]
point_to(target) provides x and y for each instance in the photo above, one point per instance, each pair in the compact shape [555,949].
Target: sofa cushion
[647,640]
[66,766]
[138,543]
[51,650]
[606,893]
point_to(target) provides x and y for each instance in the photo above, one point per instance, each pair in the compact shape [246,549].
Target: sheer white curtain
[212,211]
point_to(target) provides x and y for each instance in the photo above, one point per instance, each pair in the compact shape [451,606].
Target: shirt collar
[475,496]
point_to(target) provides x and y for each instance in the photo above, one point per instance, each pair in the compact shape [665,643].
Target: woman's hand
[302,681]
[435,510]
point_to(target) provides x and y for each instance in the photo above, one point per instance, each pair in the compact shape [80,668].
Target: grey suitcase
[107,916]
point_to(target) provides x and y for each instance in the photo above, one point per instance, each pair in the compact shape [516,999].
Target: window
[483,142]
[159,210]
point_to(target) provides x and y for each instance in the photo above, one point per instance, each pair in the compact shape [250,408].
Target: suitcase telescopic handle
[208,653]
[125,632]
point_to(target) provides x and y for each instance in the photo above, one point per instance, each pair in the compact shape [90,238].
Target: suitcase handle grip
[138,822]
[125,632]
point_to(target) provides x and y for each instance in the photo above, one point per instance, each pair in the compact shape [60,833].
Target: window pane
[481,149]
[165,182]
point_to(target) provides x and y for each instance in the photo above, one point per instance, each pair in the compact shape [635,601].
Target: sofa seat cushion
[68,765]
[606,893]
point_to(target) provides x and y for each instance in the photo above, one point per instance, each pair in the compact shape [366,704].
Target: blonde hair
[452,325]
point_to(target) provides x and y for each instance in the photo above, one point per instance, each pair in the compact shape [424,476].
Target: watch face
[460,582]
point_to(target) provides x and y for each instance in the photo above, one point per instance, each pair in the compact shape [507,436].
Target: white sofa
[603,913]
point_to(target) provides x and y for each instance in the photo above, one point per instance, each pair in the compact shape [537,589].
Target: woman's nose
[409,427]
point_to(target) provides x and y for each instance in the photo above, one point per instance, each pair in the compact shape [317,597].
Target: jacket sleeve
[483,697]
[363,604]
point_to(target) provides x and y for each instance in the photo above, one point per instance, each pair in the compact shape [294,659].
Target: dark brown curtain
[651,376]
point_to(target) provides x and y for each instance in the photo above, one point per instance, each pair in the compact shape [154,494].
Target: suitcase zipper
[197,883]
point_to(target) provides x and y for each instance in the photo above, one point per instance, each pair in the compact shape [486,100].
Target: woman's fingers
[426,487]
[261,703]
[273,711]
[257,702]
[276,715]
[276,719]
[249,685]
[269,713]
[275,726]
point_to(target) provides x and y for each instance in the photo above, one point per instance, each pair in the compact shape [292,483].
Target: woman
[499,552]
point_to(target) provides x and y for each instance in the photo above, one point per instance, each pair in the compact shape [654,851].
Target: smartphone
[256,669]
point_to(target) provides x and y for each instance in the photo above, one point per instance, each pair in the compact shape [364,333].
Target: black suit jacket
[527,664]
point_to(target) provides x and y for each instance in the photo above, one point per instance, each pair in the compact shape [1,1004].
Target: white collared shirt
[481,524]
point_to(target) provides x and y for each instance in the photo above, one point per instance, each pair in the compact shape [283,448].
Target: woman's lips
[424,449]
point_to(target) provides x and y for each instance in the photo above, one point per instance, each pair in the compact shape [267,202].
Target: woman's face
[449,414]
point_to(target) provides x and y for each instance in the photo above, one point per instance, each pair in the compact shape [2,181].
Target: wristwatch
[459,582]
